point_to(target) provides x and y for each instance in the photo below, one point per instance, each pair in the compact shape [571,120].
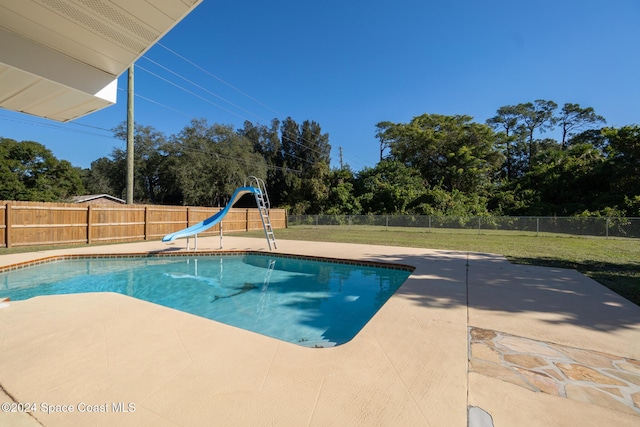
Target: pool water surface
[313,303]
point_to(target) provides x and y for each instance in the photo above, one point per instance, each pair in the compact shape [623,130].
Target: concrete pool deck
[519,345]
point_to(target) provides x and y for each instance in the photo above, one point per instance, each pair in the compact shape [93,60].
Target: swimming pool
[309,302]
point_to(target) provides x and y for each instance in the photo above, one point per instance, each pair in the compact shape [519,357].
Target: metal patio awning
[61,59]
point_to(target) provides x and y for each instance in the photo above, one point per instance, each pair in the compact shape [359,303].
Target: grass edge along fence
[44,223]
[580,226]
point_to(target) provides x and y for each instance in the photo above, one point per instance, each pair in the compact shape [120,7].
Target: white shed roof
[61,59]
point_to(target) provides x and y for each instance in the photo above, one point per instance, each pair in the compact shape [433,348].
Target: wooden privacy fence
[39,223]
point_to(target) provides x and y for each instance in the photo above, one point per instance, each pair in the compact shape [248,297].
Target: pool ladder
[262,200]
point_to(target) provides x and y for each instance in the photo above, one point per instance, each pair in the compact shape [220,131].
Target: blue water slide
[211,221]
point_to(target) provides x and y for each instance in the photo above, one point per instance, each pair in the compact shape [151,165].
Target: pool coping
[221,253]
[410,365]
[63,257]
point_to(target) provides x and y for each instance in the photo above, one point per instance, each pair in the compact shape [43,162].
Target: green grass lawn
[613,262]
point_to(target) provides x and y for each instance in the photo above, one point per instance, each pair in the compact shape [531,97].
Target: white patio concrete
[408,366]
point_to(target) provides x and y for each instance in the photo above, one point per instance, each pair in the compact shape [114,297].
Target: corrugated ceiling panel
[33,95]
[174,9]
[95,56]
[13,82]
[59,102]
[80,108]
[107,35]
[87,21]
[114,15]
[59,33]
[151,15]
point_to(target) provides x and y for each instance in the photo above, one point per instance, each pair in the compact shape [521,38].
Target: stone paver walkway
[589,376]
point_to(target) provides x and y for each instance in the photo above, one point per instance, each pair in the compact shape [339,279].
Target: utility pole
[130,131]
[341,164]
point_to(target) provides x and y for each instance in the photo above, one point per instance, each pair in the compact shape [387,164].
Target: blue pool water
[307,302]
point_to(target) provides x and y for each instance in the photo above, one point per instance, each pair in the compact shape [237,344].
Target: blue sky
[351,64]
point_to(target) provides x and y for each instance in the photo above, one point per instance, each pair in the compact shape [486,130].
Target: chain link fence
[579,226]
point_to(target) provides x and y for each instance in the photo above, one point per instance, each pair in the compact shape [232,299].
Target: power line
[288,134]
[219,155]
[60,127]
[295,139]
[91,126]
[229,85]
[162,105]
[181,112]
[190,92]
[357,160]
[202,88]
[219,79]
[244,137]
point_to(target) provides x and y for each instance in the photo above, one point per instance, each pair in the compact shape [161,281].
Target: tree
[298,162]
[506,123]
[573,118]
[449,151]
[390,187]
[290,137]
[266,142]
[536,116]
[212,161]
[594,137]
[624,155]
[383,133]
[342,198]
[288,180]
[29,171]
[12,185]
[315,150]
[567,181]
[98,179]
[301,166]
[438,201]
[314,145]
[153,180]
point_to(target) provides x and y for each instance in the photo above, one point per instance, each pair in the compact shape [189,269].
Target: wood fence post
[246,216]
[7,221]
[89,223]
[146,221]
[7,227]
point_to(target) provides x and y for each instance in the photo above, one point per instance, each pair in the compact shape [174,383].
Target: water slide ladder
[262,200]
[253,185]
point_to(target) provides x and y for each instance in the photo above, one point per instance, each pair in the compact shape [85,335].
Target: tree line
[434,164]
